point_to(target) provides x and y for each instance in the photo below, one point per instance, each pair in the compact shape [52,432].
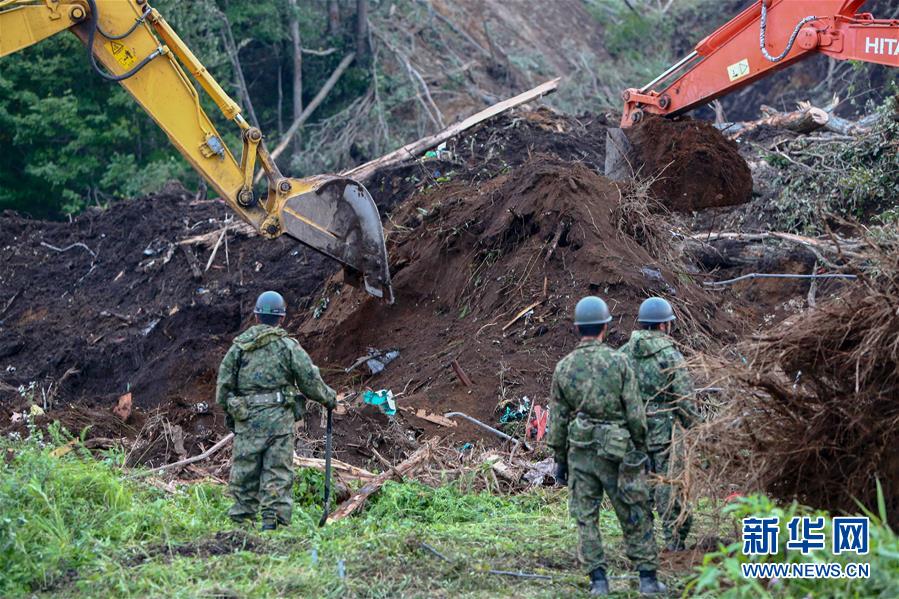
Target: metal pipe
[498,433]
[757,275]
[670,70]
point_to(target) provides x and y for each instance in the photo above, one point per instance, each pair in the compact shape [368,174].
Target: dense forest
[399,69]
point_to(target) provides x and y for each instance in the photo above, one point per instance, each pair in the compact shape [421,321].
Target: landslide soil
[692,164]
[486,279]
[121,300]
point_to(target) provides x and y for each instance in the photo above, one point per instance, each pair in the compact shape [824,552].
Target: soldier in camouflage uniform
[666,390]
[261,386]
[597,433]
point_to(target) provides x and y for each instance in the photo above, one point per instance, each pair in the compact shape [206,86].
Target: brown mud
[514,216]
[467,261]
[694,166]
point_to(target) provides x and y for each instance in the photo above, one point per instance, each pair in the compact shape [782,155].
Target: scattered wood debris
[358,499]
[463,377]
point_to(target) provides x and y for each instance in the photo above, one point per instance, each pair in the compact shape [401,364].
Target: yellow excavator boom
[131,43]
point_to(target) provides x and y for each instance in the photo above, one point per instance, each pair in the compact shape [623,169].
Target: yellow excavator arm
[129,42]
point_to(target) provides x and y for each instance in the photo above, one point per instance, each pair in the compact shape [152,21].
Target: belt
[596,421]
[264,399]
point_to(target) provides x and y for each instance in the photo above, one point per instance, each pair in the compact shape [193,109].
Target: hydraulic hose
[93,27]
[764,30]
[137,23]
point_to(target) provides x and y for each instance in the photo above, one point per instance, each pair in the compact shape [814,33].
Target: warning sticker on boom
[738,70]
[123,55]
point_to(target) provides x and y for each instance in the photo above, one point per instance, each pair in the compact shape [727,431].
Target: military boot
[599,584]
[269,524]
[650,585]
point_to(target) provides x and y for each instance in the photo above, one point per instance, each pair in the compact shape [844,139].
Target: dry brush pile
[812,408]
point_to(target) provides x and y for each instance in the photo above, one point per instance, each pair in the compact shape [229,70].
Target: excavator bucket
[620,158]
[337,217]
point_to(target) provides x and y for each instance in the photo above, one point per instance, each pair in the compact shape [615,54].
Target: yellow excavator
[129,42]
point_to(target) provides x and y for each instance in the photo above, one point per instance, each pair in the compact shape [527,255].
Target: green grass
[720,575]
[77,526]
[73,525]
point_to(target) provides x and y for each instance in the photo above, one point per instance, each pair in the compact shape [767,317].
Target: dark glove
[229,422]
[561,473]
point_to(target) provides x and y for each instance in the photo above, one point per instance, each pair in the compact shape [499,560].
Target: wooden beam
[341,468]
[358,499]
[412,150]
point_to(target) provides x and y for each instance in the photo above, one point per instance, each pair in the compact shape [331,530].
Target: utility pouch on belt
[659,429]
[632,486]
[581,432]
[299,406]
[237,408]
[613,441]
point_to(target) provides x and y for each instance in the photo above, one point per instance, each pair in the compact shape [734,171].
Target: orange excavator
[768,36]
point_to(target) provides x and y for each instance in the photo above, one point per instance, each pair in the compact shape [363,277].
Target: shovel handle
[328,449]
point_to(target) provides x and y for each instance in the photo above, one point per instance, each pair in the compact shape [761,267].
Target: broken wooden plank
[457,368]
[209,239]
[359,497]
[435,418]
[522,313]
[342,468]
[502,470]
[192,262]
[122,408]
[412,150]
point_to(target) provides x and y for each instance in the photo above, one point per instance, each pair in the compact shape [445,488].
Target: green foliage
[58,514]
[59,125]
[721,576]
[71,139]
[73,525]
[857,178]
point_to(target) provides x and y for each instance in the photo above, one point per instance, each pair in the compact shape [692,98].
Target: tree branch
[310,108]
[233,54]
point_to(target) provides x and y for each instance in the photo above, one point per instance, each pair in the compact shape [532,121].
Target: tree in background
[71,139]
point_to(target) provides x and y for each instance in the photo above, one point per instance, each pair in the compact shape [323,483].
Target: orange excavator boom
[765,38]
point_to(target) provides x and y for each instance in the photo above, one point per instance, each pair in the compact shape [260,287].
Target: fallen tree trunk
[804,120]
[412,150]
[730,249]
[359,497]
[843,126]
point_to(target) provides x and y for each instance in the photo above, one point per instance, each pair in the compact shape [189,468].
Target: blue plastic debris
[519,412]
[382,399]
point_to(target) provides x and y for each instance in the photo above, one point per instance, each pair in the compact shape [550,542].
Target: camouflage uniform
[666,389]
[260,382]
[597,417]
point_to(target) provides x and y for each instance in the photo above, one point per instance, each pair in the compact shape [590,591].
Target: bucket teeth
[338,218]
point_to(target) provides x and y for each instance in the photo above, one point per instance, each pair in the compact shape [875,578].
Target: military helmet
[591,310]
[270,302]
[655,310]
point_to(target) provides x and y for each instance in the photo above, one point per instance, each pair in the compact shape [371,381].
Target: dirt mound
[486,279]
[696,167]
[512,138]
[121,299]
